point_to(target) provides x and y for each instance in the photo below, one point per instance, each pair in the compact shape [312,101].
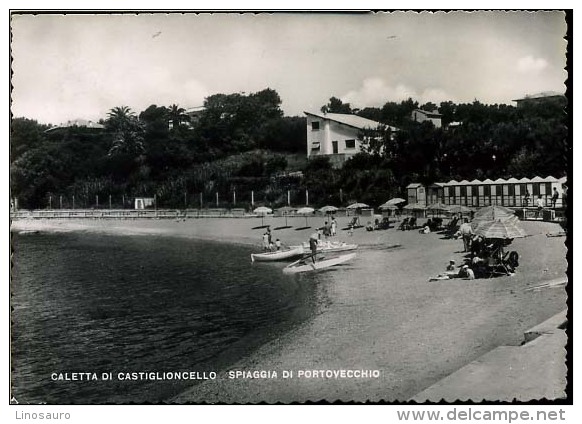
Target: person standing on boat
[313,246]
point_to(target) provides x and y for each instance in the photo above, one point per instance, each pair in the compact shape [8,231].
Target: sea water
[88,309]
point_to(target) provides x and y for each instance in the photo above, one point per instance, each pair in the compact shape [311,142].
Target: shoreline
[379,312]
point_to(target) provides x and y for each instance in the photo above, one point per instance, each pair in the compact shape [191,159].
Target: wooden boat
[305,264]
[277,255]
[329,246]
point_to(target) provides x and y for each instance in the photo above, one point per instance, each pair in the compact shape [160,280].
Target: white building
[337,135]
[420,115]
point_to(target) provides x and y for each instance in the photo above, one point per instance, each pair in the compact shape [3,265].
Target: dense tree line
[240,142]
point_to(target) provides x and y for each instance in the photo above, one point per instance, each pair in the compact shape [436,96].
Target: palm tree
[127,132]
[177,115]
[119,117]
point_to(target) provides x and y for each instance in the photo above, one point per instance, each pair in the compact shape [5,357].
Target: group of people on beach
[268,244]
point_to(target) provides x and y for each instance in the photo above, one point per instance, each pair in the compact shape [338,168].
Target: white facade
[336,135]
[419,115]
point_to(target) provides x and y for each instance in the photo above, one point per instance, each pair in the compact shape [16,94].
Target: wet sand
[380,312]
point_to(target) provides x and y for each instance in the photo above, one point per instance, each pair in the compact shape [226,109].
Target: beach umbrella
[414,207]
[358,206]
[305,211]
[263,210]
[285,210]
[437,207]
[459,209]
[395,201]
[328,209]
[387,206]
[494,212]
[500,229]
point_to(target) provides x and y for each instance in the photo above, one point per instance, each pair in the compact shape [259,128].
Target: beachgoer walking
[333,226]
[313,246]
[265,241]
[540,205]
[555,197]
[466,233]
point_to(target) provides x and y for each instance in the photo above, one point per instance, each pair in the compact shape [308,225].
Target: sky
[71,66]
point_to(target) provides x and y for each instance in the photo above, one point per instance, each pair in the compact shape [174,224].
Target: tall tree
[177,116]
[335,105]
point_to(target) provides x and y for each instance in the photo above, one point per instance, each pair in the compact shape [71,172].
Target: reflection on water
[98,304]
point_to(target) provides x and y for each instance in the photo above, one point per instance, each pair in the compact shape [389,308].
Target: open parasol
[263,210]
[286,210]
[305,211]
[500,229]
[387,206]
[328,209]
[358,206]
[395,201]
[414,207]
[459,209]
[438,207]
[492,214]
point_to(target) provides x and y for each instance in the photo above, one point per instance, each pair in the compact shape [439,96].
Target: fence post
[252,198]
[50,202]
[60,202]
[200,200]
[97,201]
[234,197]
[185,201]
[288,198]
[306,197]
[110,201]
[73,201]
[217,199]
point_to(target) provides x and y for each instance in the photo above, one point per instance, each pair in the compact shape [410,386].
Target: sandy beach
[378,313]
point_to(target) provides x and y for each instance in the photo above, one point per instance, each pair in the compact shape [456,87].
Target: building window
[315,145]
[350,144]
[315,125]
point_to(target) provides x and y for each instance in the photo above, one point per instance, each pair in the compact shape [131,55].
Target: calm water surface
[102,303]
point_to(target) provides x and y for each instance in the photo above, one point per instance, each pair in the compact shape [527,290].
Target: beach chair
[452,227]
[498,262]
[384,224]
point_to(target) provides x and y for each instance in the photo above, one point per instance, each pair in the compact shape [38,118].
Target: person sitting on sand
[451,265]
[424,230]
[278,244]
[369,226]
[466,273]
